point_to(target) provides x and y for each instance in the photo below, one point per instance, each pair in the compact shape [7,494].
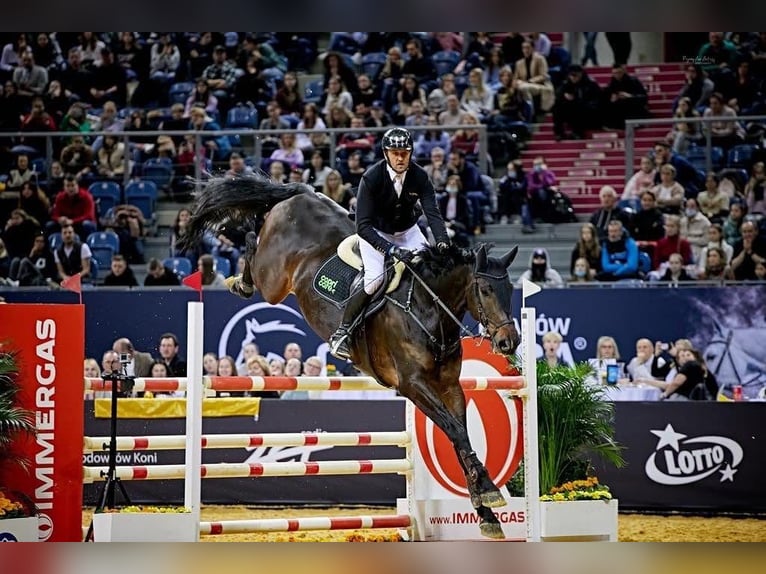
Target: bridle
[483,318]
[441,349]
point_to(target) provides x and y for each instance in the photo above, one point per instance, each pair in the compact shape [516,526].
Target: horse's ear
[481,258]
[508,258]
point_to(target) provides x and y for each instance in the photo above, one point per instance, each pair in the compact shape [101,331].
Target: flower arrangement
[588,489]
[134,509]
[574,424]
[15,505]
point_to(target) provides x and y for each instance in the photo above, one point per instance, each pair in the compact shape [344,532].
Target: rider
[386,222]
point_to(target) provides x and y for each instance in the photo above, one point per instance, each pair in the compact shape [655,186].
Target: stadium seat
[740,156]
[242,117]
[158,171]
[55,240]
[104,239]
[372,63]
[292,120]
[142,194]
[222,265]
[106,194]
[181,266]
[445,61]
[179,92]
[313,91]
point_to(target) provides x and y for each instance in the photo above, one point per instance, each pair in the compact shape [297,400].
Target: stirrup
[339,345]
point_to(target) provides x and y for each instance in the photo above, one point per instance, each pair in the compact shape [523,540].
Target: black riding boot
[340,339]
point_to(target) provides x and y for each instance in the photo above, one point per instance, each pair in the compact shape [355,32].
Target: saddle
[342,275]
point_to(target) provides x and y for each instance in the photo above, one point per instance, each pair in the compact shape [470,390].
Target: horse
[412,343]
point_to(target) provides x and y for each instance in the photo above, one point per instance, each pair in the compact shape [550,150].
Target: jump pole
[194,393]
[531,454]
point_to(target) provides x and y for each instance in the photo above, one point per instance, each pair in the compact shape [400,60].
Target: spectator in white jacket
[165,59]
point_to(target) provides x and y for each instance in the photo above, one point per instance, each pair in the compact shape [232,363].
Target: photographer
[128,223]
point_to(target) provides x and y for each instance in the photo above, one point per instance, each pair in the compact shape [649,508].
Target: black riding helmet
[396,138]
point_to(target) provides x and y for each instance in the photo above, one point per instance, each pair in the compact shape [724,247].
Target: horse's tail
[237,200]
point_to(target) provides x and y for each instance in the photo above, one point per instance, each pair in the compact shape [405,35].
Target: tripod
[121,384]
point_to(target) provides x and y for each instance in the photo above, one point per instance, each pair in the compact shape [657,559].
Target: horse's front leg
[483,492]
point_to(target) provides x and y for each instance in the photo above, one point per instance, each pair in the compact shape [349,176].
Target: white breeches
[373,260]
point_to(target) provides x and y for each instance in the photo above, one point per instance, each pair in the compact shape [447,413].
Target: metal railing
[632,125]
[253,148]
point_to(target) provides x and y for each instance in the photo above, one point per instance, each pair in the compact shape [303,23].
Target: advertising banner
[275,416]
[441,501]
[695,456]
[49,341]
[728,324]
[692,456]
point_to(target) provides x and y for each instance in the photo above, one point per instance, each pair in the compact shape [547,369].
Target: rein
[441,348]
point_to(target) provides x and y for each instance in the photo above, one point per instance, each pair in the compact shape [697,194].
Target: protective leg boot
[339,341]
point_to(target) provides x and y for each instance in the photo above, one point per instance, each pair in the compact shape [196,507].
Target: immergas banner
[728,324]
[49,342]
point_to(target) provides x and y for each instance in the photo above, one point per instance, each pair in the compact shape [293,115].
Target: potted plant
[575,423]
[18,519]
[145,524]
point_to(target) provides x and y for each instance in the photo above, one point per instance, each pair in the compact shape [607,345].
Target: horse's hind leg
[242,285]
[480,487]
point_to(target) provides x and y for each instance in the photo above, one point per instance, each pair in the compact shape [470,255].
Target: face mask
[511,173]
[690,212]
[451,189]
[538,168]
[580,273]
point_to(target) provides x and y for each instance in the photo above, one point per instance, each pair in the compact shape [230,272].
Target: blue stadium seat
[141,187]
[222,265]
[94,271]
[741,156]
[313,91]
[644,262]
[181,266]
[103,256]
[55,240]
[107,191]
[179,92]
[158,171]
[372,63]
[242,117]
[445,61]
[292,120]
[142,194]
[104,239]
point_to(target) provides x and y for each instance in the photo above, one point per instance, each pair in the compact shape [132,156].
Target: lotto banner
[49,340]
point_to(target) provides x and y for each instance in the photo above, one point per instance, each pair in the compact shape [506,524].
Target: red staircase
[583,166]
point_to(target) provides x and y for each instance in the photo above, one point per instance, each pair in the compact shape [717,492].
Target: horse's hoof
[492,499]
[492,530]
[476,500]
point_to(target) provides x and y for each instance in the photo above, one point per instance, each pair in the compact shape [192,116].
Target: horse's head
[489,299]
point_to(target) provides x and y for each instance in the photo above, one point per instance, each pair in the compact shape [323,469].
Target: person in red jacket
[672,243]
[73,206]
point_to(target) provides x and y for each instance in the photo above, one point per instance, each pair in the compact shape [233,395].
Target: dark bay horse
[302,229]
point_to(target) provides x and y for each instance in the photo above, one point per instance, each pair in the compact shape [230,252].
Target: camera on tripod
[124,358]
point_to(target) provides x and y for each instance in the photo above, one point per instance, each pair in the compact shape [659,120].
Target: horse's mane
[432,265]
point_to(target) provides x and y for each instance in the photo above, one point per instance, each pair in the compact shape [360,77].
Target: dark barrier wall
[681,456]
[728,324]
